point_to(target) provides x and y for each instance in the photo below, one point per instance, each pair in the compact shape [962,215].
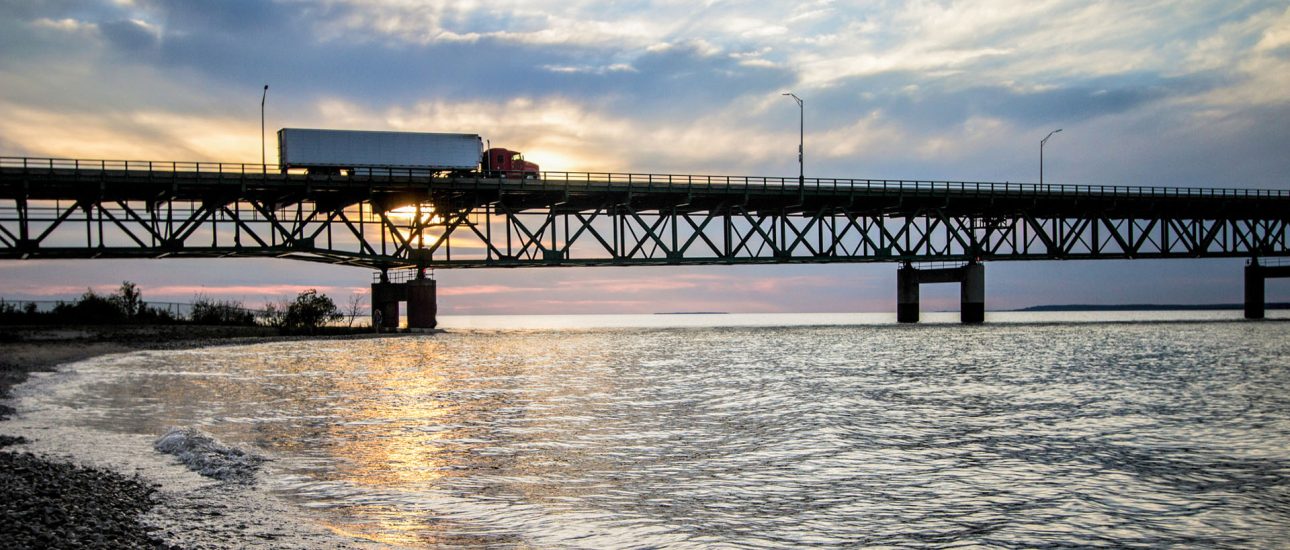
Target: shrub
[309,312]
[11,314]
[90,309]
[274,314]
[156,316]
[129,299]
[220,312]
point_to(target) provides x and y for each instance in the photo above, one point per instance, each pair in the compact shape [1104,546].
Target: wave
[204,454]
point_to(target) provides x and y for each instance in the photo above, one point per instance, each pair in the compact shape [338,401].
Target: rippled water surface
[1015,435]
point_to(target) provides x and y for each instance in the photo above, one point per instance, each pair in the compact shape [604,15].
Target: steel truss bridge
[387,219]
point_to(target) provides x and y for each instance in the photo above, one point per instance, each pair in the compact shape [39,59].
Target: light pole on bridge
[1042,142]
[801,137]
[263,162]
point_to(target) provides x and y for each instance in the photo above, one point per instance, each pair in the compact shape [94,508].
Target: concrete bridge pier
[422,304]
[1256,277]
[971,279]
[385,303]
[420,295]
[907,294]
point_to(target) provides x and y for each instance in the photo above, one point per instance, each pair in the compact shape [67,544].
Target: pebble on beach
[48,504]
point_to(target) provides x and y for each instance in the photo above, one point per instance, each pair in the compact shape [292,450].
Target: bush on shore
[310,312]
[220,312]
[125,306]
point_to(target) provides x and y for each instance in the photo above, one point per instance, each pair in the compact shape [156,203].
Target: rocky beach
[53,504]
[54,495]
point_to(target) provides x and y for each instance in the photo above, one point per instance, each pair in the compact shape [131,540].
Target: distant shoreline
[692,313]
[1148,307]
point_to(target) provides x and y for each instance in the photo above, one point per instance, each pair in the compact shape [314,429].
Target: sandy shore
[53,502]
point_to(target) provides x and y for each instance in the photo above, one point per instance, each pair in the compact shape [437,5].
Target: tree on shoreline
[124,306]
[129,299]
[355,308]
[309,312]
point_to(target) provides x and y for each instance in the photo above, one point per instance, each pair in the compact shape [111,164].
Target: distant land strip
[691,313]
[1148,307]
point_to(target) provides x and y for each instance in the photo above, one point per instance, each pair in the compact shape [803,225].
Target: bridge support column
[1254,290]
[419,293]
[972,294]
[422,305]
[906,294]
[1256,276]
[385,305]
[971,280]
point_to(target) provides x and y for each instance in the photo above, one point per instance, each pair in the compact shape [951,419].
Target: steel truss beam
[499,234]
[387,222]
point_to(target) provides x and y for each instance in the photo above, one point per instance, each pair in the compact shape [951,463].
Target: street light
[1041,154]
[801,169]
[263,162]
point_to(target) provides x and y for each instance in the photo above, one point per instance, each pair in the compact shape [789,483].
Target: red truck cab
[505,163]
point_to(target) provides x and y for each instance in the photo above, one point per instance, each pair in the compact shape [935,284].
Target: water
[1013,434]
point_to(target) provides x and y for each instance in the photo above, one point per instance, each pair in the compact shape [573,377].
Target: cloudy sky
[1175,93]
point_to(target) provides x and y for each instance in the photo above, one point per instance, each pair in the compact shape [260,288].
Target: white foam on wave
[204,454]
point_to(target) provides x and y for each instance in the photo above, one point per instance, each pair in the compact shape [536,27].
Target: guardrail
[645,181]
[130,166]
[939,265]
[401,275]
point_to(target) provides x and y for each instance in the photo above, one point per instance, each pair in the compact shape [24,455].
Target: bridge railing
[135,166]
[645,182]
[690,182]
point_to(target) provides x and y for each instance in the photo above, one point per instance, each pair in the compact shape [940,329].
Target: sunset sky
[1166,93]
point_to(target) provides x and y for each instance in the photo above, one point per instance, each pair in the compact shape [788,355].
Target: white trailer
[330,151]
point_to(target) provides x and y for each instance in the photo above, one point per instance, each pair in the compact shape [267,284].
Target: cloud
[685,64]
[589,69]
[1276,35]
[477,290]
[66,24]
[237,15]
[262,291]
[656,290]
[436,22]
[1173,92]
[131,35]
[139,135]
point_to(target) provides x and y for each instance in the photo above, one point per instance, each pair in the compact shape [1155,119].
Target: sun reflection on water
[1034,435]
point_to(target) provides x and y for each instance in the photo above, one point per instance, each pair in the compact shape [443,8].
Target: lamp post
[801,120]
[263,162]
[1041,154]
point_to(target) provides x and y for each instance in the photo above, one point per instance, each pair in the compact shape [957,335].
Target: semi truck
[368,152]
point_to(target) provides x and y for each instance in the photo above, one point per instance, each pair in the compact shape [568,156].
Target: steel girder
[501,233]
[76,209]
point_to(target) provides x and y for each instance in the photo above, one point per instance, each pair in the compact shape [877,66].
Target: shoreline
[52,499]
[37,348]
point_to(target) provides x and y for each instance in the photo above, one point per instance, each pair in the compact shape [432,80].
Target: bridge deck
[140,180]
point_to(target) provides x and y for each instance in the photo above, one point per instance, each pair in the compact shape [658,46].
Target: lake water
[772,431]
